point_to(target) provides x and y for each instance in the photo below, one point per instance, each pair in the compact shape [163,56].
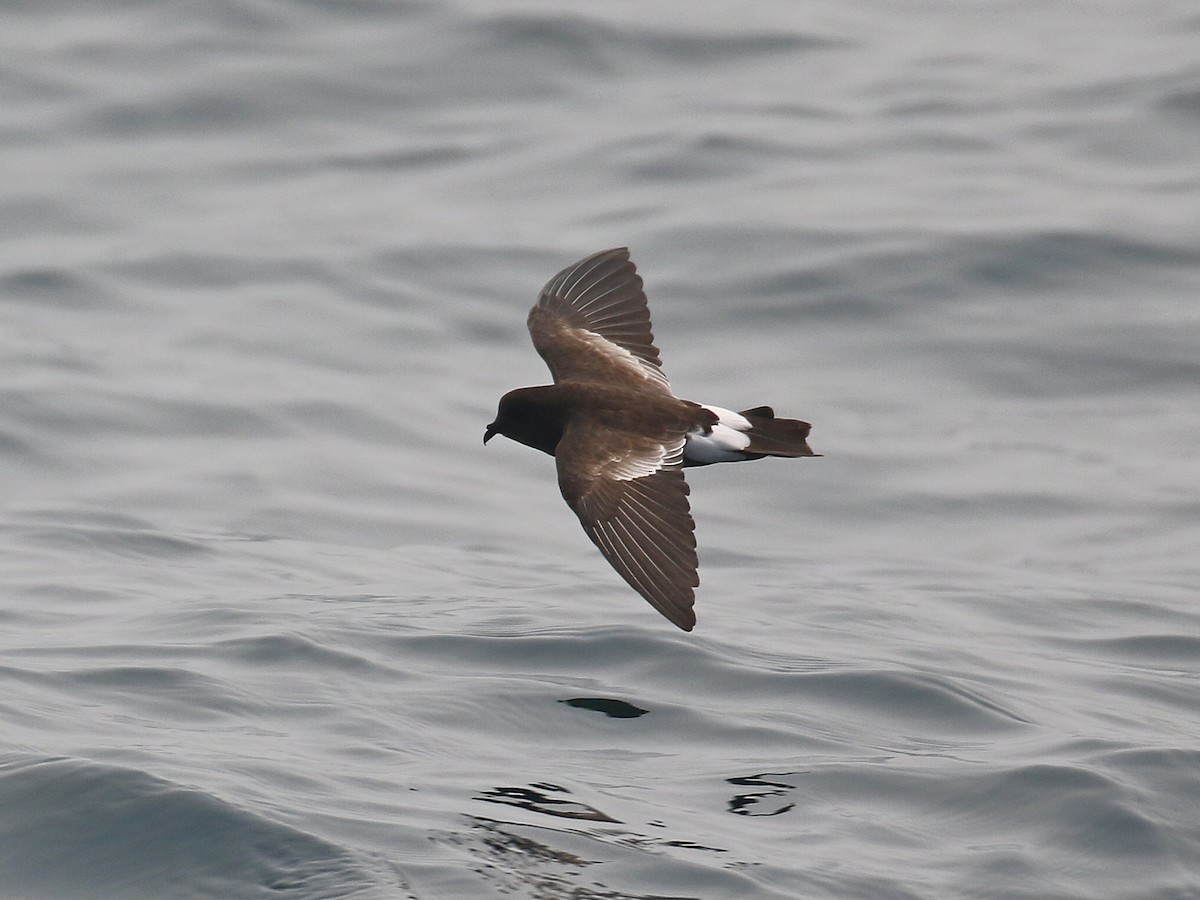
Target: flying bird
[620,438]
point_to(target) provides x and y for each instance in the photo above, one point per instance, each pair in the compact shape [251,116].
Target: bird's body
[620,437]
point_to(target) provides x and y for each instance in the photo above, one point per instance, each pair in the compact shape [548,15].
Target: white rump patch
[728,417]
[725,443]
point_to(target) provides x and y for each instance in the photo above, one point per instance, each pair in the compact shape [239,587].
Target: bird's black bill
[489,433]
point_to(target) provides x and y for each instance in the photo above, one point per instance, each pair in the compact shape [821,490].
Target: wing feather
[647,521]
[643,525]
[591,323]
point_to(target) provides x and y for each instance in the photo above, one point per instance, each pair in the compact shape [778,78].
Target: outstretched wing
[630,496]
[591,323]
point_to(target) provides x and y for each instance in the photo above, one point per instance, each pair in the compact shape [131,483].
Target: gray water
[274,623]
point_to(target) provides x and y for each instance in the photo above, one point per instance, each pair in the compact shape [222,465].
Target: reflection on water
[754,803]
[538,798]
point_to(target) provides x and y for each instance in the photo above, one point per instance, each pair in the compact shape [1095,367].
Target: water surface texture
[275,624]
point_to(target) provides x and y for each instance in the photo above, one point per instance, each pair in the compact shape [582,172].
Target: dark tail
[770,436]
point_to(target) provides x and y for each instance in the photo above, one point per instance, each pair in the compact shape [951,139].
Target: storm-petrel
[620,438]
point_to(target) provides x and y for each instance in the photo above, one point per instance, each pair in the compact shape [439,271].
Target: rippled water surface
[274,623]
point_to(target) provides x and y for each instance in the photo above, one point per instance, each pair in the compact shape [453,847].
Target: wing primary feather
[630,543]
[619,556]
[678,613]
[654,523]
[654,505]
[669,536]
[652,501]
[657,575]
[676,574]
[629,557]
[582,303]
[597,262]
[619,318]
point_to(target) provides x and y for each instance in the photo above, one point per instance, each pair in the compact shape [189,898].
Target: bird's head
[525,417]
[507,416]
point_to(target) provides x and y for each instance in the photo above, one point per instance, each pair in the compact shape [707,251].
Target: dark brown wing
[630,496]
[591,323]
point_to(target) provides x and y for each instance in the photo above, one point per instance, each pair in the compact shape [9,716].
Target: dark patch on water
[615,709]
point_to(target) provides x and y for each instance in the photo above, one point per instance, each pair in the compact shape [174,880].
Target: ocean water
[275,624]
